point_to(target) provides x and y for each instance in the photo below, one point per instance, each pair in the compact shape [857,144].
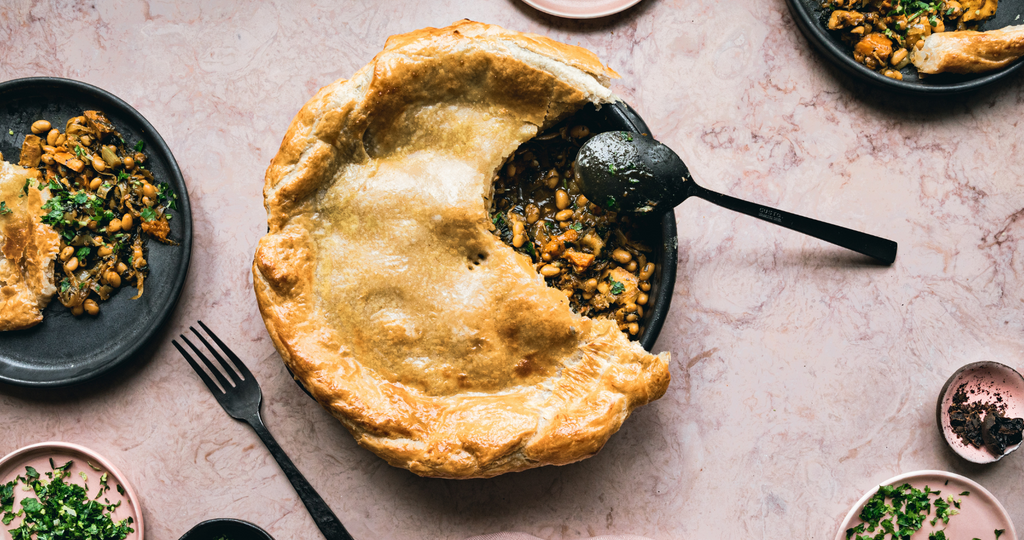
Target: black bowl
[660,232]
[811,19]
[228,528]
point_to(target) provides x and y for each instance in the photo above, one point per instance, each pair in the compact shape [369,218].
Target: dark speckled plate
[63,349]
[808,15]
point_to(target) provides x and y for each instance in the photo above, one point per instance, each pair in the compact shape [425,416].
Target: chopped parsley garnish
[903,516]
[944,509]
[148,214]
[139,146]
[4,209]
[166,196]
[82,253]
[610,203]
[576,226]
[59,510]
[528,247]
[79,152]
[617,287]
[611,168]
[7,502]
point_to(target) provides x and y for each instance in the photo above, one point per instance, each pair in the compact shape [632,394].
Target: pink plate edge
[855,509]
[550,7]
[133,497]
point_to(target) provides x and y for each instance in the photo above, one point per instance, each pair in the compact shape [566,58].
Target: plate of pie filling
[936,505]
[65,349]
[812,17]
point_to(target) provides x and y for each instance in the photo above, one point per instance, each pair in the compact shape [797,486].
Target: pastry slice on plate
[28,249]
[968,51]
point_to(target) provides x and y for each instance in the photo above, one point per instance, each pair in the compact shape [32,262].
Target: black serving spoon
[630,172]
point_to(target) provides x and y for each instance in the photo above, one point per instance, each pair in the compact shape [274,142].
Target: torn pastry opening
[596,256]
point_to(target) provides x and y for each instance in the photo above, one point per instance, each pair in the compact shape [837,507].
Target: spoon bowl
[629,172]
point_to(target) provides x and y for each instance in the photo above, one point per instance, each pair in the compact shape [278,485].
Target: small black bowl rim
[840,56]
[220,523]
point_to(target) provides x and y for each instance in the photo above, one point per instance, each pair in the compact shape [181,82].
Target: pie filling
[590,253]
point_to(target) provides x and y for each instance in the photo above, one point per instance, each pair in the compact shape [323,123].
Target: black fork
[241,398]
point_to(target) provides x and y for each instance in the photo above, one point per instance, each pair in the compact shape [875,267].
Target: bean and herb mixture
[882,32]
[62,509]
[104,203]
[588,252]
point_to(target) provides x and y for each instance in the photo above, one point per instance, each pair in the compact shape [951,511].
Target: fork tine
[220,378]
[239,365]
[213,351]
[199,371]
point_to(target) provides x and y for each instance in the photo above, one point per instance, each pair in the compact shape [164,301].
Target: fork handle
[325,519]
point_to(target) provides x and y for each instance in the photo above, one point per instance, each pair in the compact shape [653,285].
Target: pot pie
[28,249]
[436,345]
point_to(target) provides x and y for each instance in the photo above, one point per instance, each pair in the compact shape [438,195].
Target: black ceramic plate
[63,349]
[810,17]
[661,232]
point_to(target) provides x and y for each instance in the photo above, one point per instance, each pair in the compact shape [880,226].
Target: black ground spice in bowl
[979,411]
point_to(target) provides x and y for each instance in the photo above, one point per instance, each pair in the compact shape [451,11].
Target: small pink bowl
[38,456]
[581,9]
[985,379]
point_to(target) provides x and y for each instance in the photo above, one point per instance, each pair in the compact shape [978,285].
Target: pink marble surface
[801,376]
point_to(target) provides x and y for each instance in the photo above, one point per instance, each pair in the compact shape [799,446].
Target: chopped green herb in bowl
[60,510]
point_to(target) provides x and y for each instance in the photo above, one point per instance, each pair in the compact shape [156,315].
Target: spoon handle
[872,246]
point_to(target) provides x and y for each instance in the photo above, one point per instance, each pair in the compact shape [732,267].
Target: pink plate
[982,381]
[980,513]
[581,9]
[38,457]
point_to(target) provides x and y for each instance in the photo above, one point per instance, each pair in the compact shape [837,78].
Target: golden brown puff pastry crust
[968,51]
[434,343]
[28,249]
